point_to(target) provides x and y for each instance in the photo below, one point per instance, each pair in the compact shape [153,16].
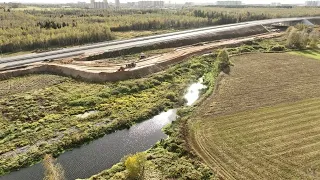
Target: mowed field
[263,121]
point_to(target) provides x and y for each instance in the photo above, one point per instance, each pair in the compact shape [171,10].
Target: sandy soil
[107,66]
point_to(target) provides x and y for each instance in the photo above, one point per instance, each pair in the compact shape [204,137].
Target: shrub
[172,96]
[314,39]
[277,48]
[223,61]
[297,39]
[87,101]
[122,90]
[53,170]
[246,49]
[135,165]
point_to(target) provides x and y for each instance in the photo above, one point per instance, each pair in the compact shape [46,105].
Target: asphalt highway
[22,60]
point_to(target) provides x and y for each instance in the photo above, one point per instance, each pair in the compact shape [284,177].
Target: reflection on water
[193,92]
[103,153]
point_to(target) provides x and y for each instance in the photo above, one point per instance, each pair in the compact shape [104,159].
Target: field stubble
[261,122]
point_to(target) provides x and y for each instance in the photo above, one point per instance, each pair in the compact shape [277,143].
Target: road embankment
[143,69]
[228,34]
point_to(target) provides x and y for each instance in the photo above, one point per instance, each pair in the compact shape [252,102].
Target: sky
[172,1]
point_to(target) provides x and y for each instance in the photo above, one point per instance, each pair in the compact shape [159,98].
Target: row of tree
[32,29]
[34,38]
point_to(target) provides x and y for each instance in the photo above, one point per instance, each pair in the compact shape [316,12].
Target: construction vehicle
[143,56]
[121,69]
[131,65]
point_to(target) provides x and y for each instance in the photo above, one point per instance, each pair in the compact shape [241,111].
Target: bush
[223,61]
[87,101]
[53,170]
[172,96]
[246,49]
[122,90]
[277,48]
[297,39]
[314,39]
[135,165]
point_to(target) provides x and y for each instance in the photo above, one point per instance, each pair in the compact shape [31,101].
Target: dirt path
[229,132]
[99,66]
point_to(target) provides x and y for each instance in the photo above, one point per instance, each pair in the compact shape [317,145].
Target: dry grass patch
[28,83]
[243,133]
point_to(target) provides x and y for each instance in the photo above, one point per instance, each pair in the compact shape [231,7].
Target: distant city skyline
[172,1]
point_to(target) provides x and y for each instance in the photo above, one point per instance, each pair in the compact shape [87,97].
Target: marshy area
[67,113]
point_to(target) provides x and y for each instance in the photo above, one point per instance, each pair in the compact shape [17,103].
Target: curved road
[124,44]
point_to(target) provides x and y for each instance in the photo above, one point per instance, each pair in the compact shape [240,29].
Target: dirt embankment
[239,140]
[144,68]
[227,34]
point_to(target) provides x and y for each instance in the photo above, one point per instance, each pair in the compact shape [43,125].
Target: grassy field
[308,53]
[262,121]
[38,112]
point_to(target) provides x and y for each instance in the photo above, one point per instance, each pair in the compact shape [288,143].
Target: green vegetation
[135,166]
[301,37]
[53,170]
[31,29]
[54,106]
[171,158]
[223,61]
[311,53]
[305,40]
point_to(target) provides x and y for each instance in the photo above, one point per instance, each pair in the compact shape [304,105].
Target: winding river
[104,152]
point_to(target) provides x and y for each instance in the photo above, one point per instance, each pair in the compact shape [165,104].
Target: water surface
[193,92]
[104,152]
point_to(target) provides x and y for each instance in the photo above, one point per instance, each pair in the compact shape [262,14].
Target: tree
[223,61]
[135,166]
[53,170]
[314,39]
[296,39]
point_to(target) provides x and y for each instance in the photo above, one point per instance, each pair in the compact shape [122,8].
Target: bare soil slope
[241,140]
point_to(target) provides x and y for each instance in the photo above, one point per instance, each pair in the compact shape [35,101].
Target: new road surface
[22,60]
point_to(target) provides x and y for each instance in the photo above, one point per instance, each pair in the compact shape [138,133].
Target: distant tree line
[34,29]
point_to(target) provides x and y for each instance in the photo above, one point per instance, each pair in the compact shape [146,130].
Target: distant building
[82,4]
[229,3]
[99,5]
[189,4]
[275,4]
[312,3]
[117,3]
[151,4]
[132,4]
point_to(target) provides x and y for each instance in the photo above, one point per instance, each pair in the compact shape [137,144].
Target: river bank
[171,158]
[106,151]
[60,129]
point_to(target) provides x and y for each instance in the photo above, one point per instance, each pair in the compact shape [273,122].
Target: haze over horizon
[172,1]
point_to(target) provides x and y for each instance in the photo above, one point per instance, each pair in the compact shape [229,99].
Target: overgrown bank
[171,158]
[54,124]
